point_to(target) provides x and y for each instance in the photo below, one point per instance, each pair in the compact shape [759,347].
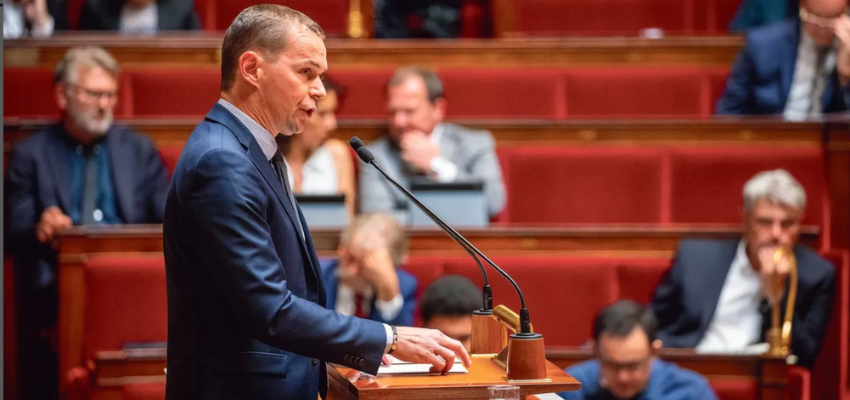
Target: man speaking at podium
[246,315]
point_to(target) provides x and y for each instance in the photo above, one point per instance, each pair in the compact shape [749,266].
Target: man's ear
[60,90]
[249,67]
[656,346]
[440,108]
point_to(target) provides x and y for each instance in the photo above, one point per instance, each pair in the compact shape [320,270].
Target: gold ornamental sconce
[779,337]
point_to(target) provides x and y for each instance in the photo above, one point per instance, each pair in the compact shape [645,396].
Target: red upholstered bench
[636,92]
[637,278]
[561,310]
[170,156]
[29,92]
[601,17]
[706,184]
[503,93]
[586,185]
[143,391]
[174,92]
[364,92]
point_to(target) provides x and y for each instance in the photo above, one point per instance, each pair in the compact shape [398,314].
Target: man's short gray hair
[778,186]
[88,56]
[377,229]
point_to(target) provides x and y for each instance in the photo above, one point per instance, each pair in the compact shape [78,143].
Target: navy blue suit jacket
[406,283]
[246,304]
[38,178]
[687,297]
[761,76]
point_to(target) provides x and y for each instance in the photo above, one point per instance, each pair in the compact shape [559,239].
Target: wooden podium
[350,384]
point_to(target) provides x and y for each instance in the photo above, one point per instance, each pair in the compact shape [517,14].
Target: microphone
[486,291]
[369,158]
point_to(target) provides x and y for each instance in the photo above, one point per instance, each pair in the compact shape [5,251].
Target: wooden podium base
[349,384]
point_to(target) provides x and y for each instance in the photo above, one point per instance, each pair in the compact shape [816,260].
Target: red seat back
[125,302]
[637,278]
[561,311]
[831,374]
[503,93]
[174,92]
[143,391]
[170,156]
[707,183]
[584,185]
[602,17]
[365,92]
[29,92]
[636,92]
[332,15]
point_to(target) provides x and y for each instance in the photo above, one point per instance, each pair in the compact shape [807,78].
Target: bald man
[799,68]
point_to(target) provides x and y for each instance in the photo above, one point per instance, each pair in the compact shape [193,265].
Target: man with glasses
[797,68]
[80,171]
[627,366]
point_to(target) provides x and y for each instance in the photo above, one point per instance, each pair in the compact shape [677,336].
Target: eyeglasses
[92,96]
[626,366]
[821,22]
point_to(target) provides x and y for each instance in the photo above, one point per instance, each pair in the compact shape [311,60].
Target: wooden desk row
[113,369]
[509,133]
[202,48]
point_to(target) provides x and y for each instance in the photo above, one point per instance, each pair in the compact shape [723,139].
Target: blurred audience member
[797,68]
[755,13]
[421,146]
[626,364]
[81,171]
[139,16]
[718,293]
[404,19]
[447,306]
[367,280]
[319,165]
[33,18]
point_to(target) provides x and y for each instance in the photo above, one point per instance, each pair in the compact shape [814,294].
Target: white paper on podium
[408,368]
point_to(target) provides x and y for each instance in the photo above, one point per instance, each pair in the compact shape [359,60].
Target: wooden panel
[196,48]
[617,241]
[510,133]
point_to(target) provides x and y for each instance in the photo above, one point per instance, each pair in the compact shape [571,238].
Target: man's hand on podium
[429,346]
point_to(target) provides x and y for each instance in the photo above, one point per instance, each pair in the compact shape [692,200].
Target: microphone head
[355,143]
[365,155]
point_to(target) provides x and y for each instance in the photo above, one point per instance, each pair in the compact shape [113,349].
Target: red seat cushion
[174,92]
[426,269]
[735,389]
[125,302]
[503,93]
[637,279]
[707,183]
[636,92]
[332,15]
[365,92]
[600,17]
[143,391]
[717,83]
[584,185]
[561,311]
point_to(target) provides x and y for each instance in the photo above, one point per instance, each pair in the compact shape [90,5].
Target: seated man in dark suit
[420,146]
[626,364]
[798,68]
[367,281]
[716,296]
[447,306]
[81,171]
[139,16]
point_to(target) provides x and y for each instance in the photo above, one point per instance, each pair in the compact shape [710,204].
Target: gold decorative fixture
[779,337]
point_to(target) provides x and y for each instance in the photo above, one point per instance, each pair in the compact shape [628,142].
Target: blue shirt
[666,382]
[78,156]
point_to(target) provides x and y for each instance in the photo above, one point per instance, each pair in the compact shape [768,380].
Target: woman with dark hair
[318,164]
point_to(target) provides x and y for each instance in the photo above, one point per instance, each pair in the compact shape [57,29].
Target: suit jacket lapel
[57,161]
[221,115]
[122,176]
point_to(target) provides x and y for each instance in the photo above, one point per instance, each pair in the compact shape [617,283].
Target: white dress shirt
[269,147]
[811,76]
[736,322]
[14,23]
[319,174]
[139,20]
[345,303]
